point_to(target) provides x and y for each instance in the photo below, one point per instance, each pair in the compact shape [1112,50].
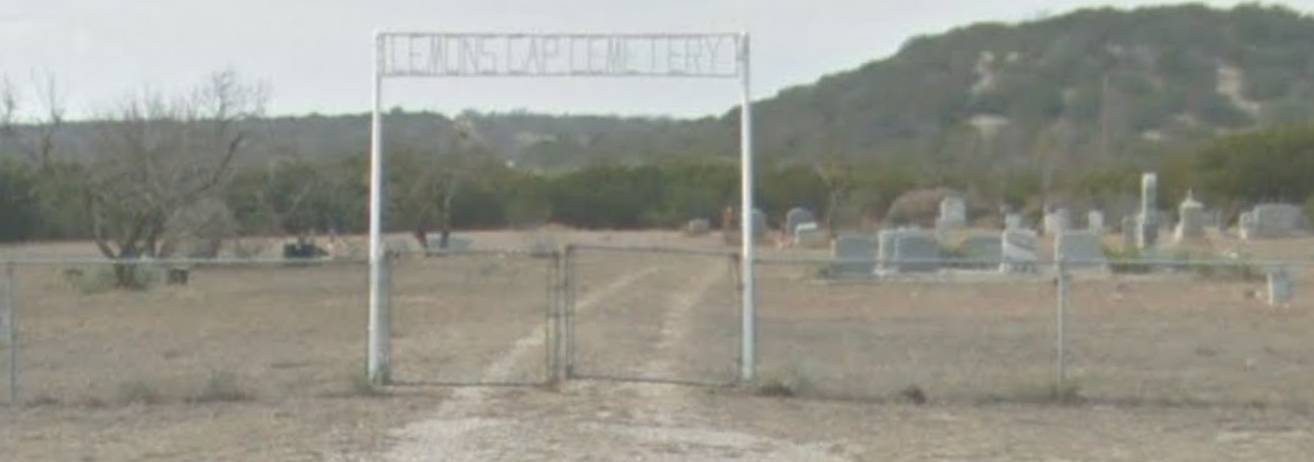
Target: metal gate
[474,317]
[650,314]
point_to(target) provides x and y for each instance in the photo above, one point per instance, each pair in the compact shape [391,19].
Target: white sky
[316,54]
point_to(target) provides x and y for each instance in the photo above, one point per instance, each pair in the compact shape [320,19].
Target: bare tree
[159,156]
[429,194]
[38,143]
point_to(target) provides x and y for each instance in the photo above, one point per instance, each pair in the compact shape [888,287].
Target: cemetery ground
[260,362]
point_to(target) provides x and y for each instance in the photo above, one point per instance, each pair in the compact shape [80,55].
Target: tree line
[173,168]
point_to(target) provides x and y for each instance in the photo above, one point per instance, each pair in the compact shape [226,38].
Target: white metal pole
[377,363]
[11,307]
[749,312]
[1060,328]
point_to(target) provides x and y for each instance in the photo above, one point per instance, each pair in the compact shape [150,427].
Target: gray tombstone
[1018,251]
[908,250]
[1191,219]
[1056,221]
[953,214]
[1081,250]
[797,216]
[698,227]
[857,255]
[1130,223]
[982,251]
[1274,220]
[809,235]
[1281,288]
[759,223]
[433,243]
[1095,222]
[1012,221]
[1147,231]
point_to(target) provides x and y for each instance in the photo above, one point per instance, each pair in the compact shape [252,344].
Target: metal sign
[559,55]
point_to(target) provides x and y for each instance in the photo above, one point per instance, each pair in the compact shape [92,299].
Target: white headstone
[1245,225]
[1191,219]
[1056,221]
[953,213]
[1095,222]
[797,216]
[1147,232]
[1012,221]
[1018,249]
[809,235]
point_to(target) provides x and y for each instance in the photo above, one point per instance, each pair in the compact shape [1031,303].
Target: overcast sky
[316,54]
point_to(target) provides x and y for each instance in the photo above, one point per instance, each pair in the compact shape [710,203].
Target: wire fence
[1165,331]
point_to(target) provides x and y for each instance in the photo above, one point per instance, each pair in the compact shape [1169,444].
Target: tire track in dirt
[597,420]
[452,419]
[667,421]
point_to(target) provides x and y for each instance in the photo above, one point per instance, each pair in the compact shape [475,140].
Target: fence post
[569,285]
[11,325]
[1060,337]
[556,305]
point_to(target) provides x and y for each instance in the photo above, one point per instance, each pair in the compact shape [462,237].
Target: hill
[1083,88]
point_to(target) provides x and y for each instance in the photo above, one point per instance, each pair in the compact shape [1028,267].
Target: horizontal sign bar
[414,54]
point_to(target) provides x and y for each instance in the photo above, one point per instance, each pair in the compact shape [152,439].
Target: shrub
[221,387]
[136,392]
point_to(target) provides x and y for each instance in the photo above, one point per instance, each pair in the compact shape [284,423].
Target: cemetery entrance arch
[447,55]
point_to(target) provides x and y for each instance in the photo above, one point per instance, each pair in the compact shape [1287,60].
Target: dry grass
[279,350]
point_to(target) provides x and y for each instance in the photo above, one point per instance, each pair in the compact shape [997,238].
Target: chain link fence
[1185,333]
[1173,331]
[95,332]
[959,331]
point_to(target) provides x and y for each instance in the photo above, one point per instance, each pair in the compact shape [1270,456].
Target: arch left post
[380,332]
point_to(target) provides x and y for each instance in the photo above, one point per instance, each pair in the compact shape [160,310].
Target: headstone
[698,227]
[1056,221]
[1280,287]
[1147,232]
[908,250]
[857,255]
[1018,250]
[1012,221]
[1190,219]
[797,216]
[1080,250]
[302,249]
[433,243]
[1095,222]
[1275,220]
[759,223]
[809,235]
[1246,226]
[1129,226]
[982,251]
[953,214]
